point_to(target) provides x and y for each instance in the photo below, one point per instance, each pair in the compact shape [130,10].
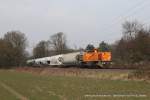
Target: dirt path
[18,95]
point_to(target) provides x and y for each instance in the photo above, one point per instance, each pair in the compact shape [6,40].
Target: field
[70,84]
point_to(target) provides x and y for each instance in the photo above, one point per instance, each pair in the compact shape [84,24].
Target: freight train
[82,58]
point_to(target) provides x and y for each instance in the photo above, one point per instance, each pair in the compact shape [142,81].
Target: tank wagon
[71,59]
[84,58]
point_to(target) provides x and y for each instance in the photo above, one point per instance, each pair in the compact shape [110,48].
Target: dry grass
[112,74]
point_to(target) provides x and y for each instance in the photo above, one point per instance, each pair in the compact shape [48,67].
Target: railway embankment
[112,74]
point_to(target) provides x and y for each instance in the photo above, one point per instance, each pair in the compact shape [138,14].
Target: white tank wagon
[39,61]
[54,60]
[43,61]
[71,58]
[30,62]
[58,60]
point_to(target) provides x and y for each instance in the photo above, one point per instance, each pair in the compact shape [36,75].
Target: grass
[5,95]
[42,87]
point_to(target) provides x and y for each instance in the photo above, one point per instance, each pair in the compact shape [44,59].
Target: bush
[143,71]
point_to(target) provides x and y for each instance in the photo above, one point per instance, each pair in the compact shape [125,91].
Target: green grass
[5,95]
[42,87]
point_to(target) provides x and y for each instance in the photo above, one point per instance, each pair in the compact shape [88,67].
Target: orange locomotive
[96,56]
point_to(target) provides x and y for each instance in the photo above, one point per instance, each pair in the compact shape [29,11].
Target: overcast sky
[83,21]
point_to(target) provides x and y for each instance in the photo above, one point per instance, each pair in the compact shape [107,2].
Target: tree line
[14,43]
[133,47]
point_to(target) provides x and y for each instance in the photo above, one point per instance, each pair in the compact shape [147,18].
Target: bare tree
[58,42]
[130,29]
[17,39]
[41,49]
[6,51]
[18,42]
[135,44]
